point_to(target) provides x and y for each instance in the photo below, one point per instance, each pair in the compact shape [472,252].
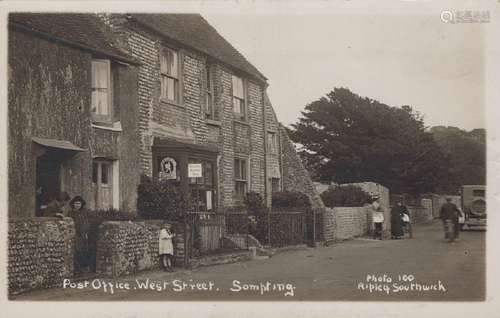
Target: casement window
[240,179]
[272,143]
[169,73]
[210,112]
[239,100]
[102,105]
[105,183]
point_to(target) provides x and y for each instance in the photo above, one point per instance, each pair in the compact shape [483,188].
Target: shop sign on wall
[194,170]
[168,169]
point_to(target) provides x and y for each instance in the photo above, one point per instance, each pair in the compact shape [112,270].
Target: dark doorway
[48,181]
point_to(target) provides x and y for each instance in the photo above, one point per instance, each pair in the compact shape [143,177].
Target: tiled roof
[194,31]
[85,30]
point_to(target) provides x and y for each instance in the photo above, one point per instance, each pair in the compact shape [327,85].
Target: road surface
[344,271]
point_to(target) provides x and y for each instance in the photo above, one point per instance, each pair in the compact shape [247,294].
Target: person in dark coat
[397,213]
[449,214]
[80,216]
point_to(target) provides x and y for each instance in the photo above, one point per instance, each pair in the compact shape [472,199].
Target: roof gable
[85,30]
[194,31]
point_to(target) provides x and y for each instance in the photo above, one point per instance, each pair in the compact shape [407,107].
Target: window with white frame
[105,177]
[240,178]
[102,105]
[210,112]
[169,73]
[272,143]
[239,100]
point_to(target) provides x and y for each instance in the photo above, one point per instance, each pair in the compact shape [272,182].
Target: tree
[347,138]
[466,152]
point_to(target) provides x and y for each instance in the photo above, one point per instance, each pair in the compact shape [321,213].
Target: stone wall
[49,97]
[127,247]
[295,177]
[422,213]
[329,225]
[377,189]
[343,223]
[40,252]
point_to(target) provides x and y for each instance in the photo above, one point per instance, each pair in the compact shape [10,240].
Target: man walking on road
[449,214]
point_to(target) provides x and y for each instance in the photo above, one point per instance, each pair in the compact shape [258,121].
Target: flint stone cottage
[97,100]
[72,113]
[203,121]
[72,126]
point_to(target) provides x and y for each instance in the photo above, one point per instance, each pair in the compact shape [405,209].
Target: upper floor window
[272,143]
[169,72]
[239,101]
[101,91]
[209,94]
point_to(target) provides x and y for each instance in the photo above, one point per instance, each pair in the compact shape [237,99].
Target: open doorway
[48,181]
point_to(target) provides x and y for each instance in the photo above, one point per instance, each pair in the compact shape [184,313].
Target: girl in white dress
[166,248]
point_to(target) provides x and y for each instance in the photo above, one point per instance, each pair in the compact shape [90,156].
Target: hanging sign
[168,169]
[194,170]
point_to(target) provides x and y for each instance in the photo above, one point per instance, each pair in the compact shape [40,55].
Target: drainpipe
[280,154]
[266,196]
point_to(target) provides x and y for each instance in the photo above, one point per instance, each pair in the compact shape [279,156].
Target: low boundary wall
[125,247]
[343,223]
[40,252]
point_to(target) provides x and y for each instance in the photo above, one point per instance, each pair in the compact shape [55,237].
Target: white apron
[378,217]
[165,241]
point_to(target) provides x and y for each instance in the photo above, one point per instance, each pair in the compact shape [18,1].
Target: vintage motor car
[473,206]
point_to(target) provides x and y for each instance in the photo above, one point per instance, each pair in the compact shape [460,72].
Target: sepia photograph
[253,152]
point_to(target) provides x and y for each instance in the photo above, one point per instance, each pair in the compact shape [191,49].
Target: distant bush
[161,200]
[289,199]
[346,196]
[255,204]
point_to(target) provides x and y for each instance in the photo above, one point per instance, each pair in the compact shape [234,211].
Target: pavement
[424,268]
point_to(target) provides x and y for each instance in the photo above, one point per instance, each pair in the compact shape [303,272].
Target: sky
[399,59]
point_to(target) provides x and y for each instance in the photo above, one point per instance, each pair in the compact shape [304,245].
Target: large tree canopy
[348,138]
[467,155]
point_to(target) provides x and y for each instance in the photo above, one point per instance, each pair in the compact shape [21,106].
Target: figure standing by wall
[84,251]
[377,217]
[397,214]
[166,248]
